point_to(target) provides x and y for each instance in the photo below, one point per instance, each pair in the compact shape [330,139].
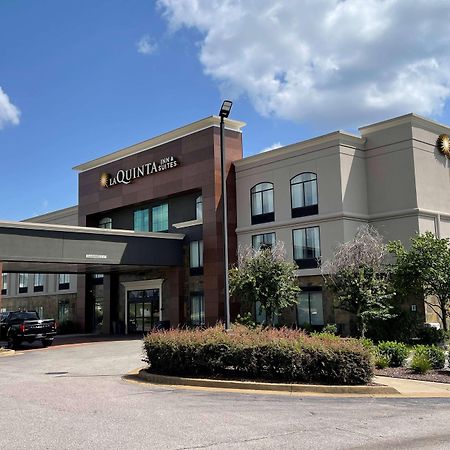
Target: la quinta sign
[127,176]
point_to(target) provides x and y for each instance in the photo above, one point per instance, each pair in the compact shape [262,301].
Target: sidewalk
[414,388]
[63,339]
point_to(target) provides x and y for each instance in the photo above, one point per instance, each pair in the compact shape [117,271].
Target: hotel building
[144,244]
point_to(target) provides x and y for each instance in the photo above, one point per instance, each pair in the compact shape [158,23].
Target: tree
[425,269]
[356,275]
[265,276]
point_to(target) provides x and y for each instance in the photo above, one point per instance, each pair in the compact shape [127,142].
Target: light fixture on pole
[224,113]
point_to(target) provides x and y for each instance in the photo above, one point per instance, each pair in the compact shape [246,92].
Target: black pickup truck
[26,326]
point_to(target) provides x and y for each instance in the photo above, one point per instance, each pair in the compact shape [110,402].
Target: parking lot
[73,396]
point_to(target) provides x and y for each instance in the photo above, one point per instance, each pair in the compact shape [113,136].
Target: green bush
[395,352]
[381,361]
[270,354]
[420,363]
[246,320]
[368,344]
[429,335]
[330,328]
[435,355]
[403,327]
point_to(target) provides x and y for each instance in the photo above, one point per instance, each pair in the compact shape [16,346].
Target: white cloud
[146,45]
[335,62]
[8,112]
[271,147]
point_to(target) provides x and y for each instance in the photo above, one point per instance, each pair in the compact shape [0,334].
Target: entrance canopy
[45,248]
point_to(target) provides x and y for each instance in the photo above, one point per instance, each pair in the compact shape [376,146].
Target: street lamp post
[224,113]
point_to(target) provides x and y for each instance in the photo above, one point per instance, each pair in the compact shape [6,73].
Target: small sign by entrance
[90,256]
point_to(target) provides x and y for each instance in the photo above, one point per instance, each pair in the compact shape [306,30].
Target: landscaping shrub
[420,362]
[330,328]
[395,352]
[246,320]
[403,327]
[381,361]
[269,354]
[368,344]
[434,354]
[429,335]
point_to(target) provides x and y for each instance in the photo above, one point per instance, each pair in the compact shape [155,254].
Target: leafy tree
[357,277]
[266,277]
[425,268]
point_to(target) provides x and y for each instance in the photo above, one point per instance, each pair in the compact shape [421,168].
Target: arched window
[199,207]
[106,222]
[262,203]
[304,195]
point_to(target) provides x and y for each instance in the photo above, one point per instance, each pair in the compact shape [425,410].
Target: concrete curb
[142,374]
[7,352]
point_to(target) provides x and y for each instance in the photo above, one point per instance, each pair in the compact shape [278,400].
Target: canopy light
[226,108]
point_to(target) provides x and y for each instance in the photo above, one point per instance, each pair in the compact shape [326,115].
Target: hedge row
[264,354]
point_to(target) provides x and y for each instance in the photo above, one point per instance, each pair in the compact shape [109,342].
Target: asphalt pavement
[74,397]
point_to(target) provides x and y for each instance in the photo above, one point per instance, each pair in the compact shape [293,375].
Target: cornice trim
[195,127]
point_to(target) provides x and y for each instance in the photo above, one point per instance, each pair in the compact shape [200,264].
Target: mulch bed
[439,376]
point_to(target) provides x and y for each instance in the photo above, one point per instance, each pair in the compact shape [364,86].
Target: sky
[83,78]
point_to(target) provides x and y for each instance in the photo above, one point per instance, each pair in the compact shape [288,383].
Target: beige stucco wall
[340,169]
[393,177]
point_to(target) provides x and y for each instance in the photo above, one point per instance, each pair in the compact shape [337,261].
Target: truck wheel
[47,342]
[12,343]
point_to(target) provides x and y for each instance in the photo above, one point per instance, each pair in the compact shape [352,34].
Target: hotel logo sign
[127,176]
[443,144]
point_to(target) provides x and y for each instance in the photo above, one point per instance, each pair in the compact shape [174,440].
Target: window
[38,282]
[23,283]
[196,257]
[306,247]
[63,281]
[266,240]
[4,283]
[261,315]
[160,217]
[304,195]
[262,203]
[197,308]
[106,222]
[141,220]
[310,308]
[199,208]
[64,311]
[40,311]
[97,278]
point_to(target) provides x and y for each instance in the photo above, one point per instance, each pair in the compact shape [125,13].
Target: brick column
[80,307]
[106,326]
[110,302]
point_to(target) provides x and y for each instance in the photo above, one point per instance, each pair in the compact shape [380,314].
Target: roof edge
[341,137]
[88,230]
[53,214]
[411,118]
[199,125]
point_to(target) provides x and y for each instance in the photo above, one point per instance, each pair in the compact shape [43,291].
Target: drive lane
[73,397]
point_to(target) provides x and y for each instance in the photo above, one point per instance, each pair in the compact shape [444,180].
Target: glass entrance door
[143,310]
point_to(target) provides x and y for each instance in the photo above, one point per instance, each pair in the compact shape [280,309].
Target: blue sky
[81,78]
